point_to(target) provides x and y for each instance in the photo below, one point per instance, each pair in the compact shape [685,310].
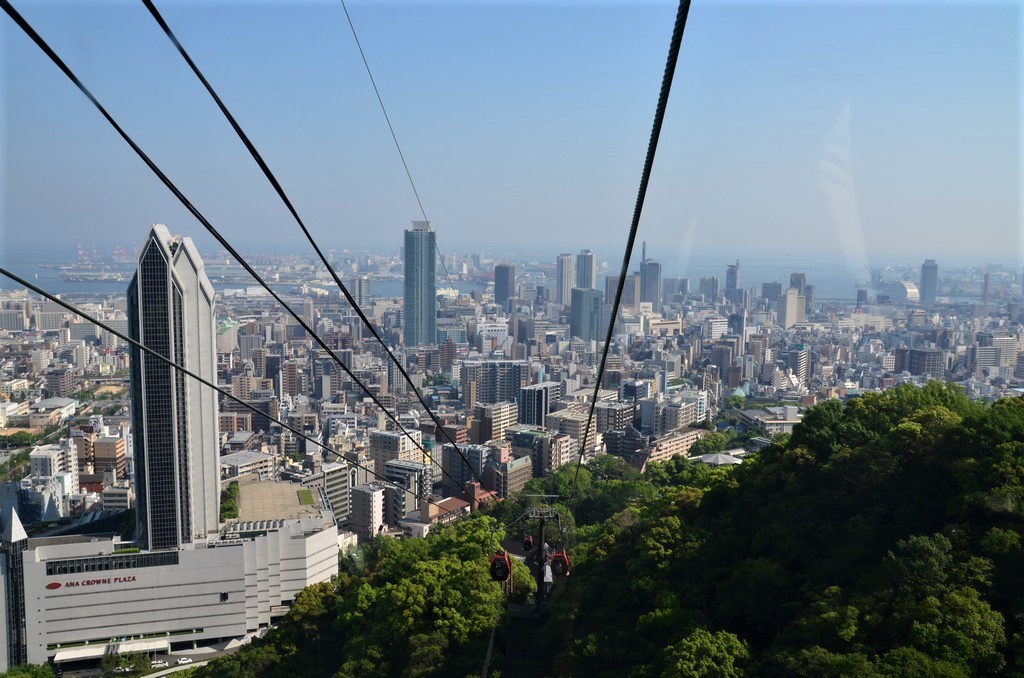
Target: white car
[185,660]
[157,664]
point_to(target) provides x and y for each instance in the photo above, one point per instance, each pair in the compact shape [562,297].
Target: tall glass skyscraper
[929,281]
[420,316]
[504,283]
[170,310]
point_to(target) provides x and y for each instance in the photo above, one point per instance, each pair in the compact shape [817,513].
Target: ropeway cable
[652,148]
[42,44]
[120,335]
[394,137]
[295,215]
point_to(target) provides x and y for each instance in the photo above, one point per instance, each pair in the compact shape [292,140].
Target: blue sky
[846,132]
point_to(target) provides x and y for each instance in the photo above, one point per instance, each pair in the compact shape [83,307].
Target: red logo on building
[53,585]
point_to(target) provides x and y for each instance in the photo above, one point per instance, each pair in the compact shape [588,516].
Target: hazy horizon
[788,135]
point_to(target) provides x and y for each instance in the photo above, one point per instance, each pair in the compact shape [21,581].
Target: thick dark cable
[394,137]
[291,208]
[201,380]
[652,149]
[27,28]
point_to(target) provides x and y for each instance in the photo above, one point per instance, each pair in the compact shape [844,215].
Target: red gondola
[501,566]
[560,564]
[527,544]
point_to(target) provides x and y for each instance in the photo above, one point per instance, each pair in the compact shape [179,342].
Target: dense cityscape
[507,366]
[262,416]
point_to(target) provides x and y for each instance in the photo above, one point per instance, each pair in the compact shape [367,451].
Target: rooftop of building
[244,457]
[271,500]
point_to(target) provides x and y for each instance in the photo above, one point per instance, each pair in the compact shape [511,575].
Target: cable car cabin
[560,564]
[501,566]
[527,544]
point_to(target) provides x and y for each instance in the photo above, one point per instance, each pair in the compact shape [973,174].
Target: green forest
[882,538]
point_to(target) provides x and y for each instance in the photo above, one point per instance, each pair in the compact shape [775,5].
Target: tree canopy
[883,537]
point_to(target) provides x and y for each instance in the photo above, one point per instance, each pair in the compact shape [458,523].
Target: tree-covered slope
[882,538]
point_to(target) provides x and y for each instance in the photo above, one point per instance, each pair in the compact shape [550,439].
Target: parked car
[158,663]
[185,660]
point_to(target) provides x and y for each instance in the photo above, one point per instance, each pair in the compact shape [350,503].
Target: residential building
[419,321]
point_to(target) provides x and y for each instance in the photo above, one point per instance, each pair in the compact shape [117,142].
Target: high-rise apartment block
[536,401]
[565,278]
[419,321]
[792,308]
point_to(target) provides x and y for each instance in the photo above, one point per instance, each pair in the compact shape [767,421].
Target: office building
[771,291]
[930,362]
[504,284]
[733,292]
[630,300]
[419,320]
[709,288]
[650,283]
[586,270]
[929,281]
[799,281]
[565,278]
[174,417]
[359,288]
[585,321]
[732,276]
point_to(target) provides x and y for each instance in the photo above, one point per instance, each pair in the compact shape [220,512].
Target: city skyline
[843,114]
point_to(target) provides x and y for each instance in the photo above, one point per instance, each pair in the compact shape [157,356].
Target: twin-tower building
[185,579]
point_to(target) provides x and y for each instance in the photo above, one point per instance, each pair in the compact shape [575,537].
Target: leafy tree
[29,671]
[735,402]
[706,655]
[712,442]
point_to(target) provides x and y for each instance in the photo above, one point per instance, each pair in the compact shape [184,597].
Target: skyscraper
[792,308]
[585,315]
[798,280]
[732,276]
[170,310]
[565,278]
[709,288]
[630,292]
[929,281]
[733,294]
[504,283]
[650,283]
[360,289]
[586,270]
[420,316]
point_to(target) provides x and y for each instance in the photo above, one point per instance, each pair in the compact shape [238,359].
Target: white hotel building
[184,580]
[83,598]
